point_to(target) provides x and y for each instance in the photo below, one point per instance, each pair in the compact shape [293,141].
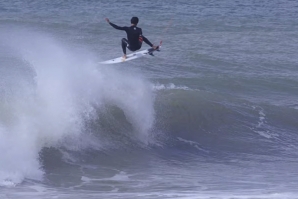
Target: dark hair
[134,20]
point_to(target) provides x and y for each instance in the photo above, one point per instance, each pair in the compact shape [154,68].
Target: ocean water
[213,115]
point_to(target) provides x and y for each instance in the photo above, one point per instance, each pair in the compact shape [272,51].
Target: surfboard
[132,56]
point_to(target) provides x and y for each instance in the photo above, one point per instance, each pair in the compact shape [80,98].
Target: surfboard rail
[133,55]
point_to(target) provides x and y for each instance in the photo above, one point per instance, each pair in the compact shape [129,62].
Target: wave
[50,94]
[169,86]
[56,99]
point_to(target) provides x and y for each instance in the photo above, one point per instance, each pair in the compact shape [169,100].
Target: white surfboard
[131,56]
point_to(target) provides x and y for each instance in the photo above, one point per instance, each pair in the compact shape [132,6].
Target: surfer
[135,36]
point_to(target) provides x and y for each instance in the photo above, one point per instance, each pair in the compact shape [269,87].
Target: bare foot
[124,57]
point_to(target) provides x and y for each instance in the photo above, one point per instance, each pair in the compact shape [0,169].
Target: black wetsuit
[134,39]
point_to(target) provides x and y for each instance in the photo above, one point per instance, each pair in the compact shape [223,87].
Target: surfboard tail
[159,46]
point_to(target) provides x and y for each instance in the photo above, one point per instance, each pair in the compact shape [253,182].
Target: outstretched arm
[114,25]
[148,42]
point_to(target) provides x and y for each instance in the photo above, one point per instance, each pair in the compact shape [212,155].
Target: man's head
[134,20]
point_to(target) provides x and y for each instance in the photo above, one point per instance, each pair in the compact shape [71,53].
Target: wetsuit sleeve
[146,40]
[117,27]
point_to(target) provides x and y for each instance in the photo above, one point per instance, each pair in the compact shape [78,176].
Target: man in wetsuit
[135,36]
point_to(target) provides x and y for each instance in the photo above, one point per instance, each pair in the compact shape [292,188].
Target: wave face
[50,95]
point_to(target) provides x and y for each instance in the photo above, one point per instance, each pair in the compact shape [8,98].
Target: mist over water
[50,93]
